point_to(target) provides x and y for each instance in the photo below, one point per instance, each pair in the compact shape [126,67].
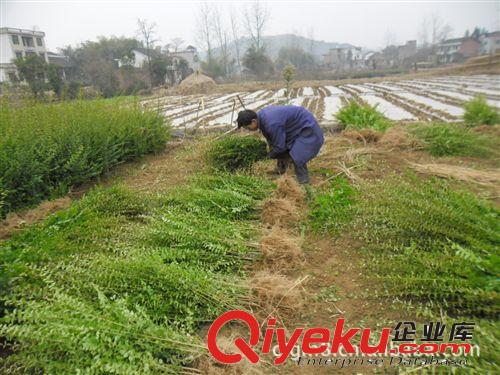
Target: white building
[139,58]
[342,57]
[490,43]
[190,55]
[16,43]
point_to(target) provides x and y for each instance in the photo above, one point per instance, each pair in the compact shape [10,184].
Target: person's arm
[277,139]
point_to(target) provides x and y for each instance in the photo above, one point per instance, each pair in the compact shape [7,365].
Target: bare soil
[327,278]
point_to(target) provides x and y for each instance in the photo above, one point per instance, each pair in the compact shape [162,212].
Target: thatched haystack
[196,83]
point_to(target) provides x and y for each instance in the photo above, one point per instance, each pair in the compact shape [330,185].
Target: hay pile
[280,211]
[196,83]
[225,341]
[288,188]
[491,178]
[362,135]
[281,249]
[285,208]
[278,245]
[397,137]
[273,290]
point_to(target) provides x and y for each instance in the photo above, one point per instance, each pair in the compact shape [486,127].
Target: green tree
[296,56]
[184,68]
[132,80]
[89,56]
[287,74]
[158,70]
[72,90]
[212,67]
[33,70]
[257,61]
[55,80]
[103,75]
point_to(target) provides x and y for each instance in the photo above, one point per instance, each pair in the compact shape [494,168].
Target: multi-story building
[407,50]
[343,57]
[190,55]
[457,49]
[490,43]
[16,43]
[180,63]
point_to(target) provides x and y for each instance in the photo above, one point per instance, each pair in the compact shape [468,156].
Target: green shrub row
[121,282]
[47,148]
[478,112]
[331,209]
[428,242]
[235,152]
[432,247]
[444,139]
[360,116]
[433,244]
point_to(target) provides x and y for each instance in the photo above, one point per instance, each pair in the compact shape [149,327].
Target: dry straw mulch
[482,177]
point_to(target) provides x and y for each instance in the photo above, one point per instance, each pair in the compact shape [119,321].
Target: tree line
[221,34]
[105,64]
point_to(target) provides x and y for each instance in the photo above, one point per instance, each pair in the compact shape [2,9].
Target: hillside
[273,43]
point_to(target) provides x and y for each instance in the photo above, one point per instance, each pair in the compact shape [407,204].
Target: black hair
[245,117]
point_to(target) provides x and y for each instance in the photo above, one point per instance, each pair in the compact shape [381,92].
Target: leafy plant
[287,74]
[361,116]
[432,244]
[47,148]
[233,153]
[331,210]
[478,112]
[444,139]
[121,281]
[33,69]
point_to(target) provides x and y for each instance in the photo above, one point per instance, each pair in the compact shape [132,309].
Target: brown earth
[196,83]
[328,278]
[15,221]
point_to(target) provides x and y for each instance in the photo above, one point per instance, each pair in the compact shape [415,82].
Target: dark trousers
[301,172]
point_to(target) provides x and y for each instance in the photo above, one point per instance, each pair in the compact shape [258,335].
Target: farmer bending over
[292,132]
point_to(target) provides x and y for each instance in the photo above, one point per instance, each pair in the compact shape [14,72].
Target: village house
[457,49]
[402,55]
[183,63]
[490,43]
[61,61]
[189,54]
[19,43]
[407,50]
[180,63]
[343,57]
[374,60]
[138,57]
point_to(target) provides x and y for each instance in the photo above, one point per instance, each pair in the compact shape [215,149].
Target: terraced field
[439,98]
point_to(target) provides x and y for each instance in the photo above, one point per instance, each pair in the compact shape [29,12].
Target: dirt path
[162,171]
[311,285]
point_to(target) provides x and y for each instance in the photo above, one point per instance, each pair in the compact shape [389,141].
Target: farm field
[428,99]
[126,276]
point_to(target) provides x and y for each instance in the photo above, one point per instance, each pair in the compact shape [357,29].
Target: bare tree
[310,35]
[236,39]
[147,31]
[439,30]
[222,36]
[424,32]
[256,17]
[433,30]
[390,38]
[204,28]
[175,43]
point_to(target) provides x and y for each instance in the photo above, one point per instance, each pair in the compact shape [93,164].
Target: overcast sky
[363,23]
